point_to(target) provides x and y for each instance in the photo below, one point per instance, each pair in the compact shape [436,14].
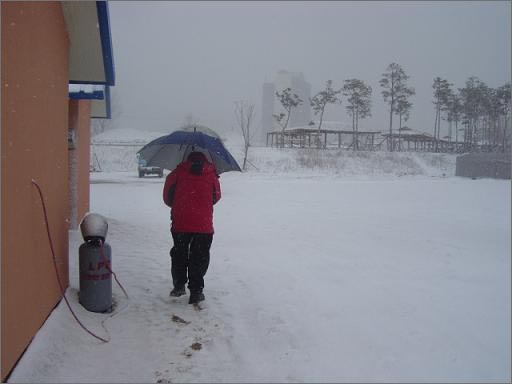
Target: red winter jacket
[190,191]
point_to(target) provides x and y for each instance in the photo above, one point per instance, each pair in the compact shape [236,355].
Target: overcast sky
[173,59]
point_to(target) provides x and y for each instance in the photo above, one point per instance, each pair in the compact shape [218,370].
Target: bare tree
[322,98]
[244,113]
[289,101]
[359,104]
[394,84]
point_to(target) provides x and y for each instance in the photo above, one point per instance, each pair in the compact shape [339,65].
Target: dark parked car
[144,169]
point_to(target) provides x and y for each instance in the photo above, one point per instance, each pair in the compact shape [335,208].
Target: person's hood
[196,157]
[198,162]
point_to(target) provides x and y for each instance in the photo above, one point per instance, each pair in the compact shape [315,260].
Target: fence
[114,156]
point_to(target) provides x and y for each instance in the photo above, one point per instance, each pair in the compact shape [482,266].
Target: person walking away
[190,191]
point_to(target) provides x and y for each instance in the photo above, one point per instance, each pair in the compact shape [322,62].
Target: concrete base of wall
[494,165]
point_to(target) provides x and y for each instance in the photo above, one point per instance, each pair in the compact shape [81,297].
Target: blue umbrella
[170,150]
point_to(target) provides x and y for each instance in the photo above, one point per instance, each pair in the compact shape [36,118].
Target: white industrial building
[300,116]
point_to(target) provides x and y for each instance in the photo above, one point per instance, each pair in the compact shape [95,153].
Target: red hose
[107,264]
[56,269]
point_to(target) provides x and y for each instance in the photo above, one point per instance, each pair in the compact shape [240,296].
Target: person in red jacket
[190,191]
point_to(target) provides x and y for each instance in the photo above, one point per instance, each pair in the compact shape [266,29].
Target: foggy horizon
[175,59]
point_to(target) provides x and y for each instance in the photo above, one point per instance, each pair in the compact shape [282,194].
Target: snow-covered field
[388,269]
[115,151]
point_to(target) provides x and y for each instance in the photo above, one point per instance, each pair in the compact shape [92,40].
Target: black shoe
[195,297]
[178,291]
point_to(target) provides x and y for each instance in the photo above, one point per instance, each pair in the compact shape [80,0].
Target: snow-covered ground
[386,269]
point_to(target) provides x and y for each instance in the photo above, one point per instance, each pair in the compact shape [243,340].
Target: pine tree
[359,104]
[454,112]
[394,84]
[322,98]
[289,101]
[503,96]
[442,89]
[403,110]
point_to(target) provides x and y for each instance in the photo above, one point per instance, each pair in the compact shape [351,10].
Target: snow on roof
[89,88]
[86,91]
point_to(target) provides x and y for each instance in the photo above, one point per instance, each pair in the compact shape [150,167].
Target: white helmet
[93,227]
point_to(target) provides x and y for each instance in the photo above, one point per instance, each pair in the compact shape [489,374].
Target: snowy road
[312,279]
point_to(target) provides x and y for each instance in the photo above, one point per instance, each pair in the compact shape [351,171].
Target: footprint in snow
[179,320]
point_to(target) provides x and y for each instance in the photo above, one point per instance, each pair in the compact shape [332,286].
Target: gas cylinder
[95,258]
[95,277]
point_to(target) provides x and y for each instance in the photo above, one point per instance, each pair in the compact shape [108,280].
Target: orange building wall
[34,116]
[79,159]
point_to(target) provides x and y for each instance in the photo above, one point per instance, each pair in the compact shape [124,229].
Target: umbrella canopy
[170,150]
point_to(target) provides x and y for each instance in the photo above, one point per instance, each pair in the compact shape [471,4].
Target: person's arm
[169,188]
[216,189]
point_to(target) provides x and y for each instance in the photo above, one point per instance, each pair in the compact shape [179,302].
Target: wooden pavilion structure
[423,142]
[322,138]
[405,139]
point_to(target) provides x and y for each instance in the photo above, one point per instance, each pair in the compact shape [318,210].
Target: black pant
[191,251]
